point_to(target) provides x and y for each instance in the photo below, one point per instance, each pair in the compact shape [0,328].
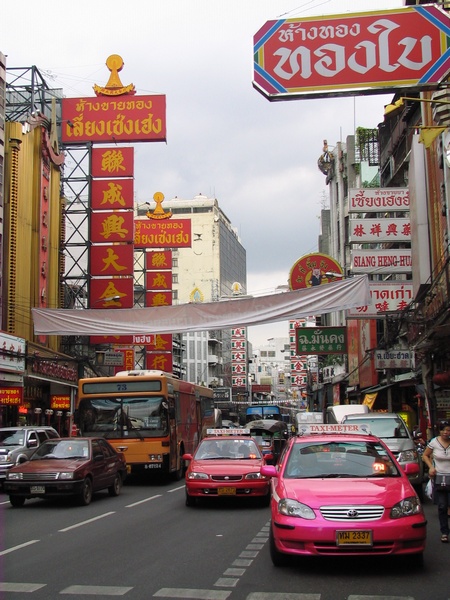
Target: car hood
[46,465]
[398,444]
[320,492]
[230,467]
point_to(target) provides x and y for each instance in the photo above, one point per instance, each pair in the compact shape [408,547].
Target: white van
[336,413]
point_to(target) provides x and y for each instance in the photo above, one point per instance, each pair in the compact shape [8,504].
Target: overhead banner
[228,314]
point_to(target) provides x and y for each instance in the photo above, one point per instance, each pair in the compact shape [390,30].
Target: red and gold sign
[314,269]
[158,259]
[159,361]
[97,340]
[108,194]
[111,293]
[171,233]
[116,259]
[11,396]
[111,120]
[60,402]
[112,226]
[128,359]
[112,162]
[158,280]
[158,299]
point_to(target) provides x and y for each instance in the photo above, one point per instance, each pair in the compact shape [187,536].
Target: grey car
[392,429]
[18,443]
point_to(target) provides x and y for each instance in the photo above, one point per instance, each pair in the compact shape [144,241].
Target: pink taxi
[340,491]
[227,463]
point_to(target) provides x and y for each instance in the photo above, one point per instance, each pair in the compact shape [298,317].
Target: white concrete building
[206,272]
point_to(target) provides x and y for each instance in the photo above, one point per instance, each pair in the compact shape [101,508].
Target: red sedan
[67,467]
[226,464]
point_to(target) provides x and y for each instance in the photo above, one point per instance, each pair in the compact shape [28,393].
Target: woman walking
[437,457]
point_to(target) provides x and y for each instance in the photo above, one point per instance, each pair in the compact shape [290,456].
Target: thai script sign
[378,51]
[60,402]
[222,394]
[11,396]
[127,119]
[381,261]
[172,233]
[393,359]
[12,353]
[378,200]
[373,231]
[385,296]
[321,340]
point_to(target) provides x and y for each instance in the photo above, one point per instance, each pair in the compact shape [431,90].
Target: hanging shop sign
[170,233]
[222,394]
[377,262]
[321,340]
[378,200]
[345,55]
[11,396]
[60,402]
[393,359]
[112,162]
[374,231]
[314,269]
[12,353]
[385,296]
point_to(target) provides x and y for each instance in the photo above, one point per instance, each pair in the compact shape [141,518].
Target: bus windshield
[118,416]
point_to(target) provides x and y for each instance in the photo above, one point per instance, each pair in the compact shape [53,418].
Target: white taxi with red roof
[337,490]
[227,463]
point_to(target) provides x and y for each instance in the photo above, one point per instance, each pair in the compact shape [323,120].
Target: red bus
[151,416]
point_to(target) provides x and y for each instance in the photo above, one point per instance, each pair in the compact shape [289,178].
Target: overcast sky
[224,139]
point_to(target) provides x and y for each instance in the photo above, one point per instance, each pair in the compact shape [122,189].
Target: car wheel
[85,496]
[278,558]
[17,501]
[190,501]
[114,489]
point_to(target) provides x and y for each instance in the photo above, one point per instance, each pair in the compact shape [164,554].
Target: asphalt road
[147,544]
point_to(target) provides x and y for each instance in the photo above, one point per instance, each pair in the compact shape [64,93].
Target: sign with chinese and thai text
[393,359]
[60,402]
[386,296]
[111,120]
[374,200]
[349,54]
[374,231]
[378,262]
[321,340]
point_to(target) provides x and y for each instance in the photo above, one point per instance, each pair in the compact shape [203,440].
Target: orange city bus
[151,416]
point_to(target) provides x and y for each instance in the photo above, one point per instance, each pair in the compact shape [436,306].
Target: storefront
[12,368]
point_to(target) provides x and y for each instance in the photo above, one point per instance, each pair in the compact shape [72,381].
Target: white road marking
[227,582]
[21,587]
[96,590]
[81,523]
[3,552]
[142,501]
[192,593]
[176,489]
[276,596]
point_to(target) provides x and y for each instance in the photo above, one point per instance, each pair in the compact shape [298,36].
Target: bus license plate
[37,489]
[354,538]
[226,491]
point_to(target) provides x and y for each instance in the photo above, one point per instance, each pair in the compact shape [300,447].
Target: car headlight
[254,476]
[194,475]
[407,456]
[14,476]
[292,508]
[66,475]
[406,508]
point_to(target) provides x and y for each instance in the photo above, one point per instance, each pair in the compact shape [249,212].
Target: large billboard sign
[357,53]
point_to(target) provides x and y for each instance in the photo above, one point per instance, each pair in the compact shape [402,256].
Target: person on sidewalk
[437,457]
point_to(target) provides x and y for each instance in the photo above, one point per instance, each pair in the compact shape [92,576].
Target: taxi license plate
[37,489]
[354,538]
[226,491]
